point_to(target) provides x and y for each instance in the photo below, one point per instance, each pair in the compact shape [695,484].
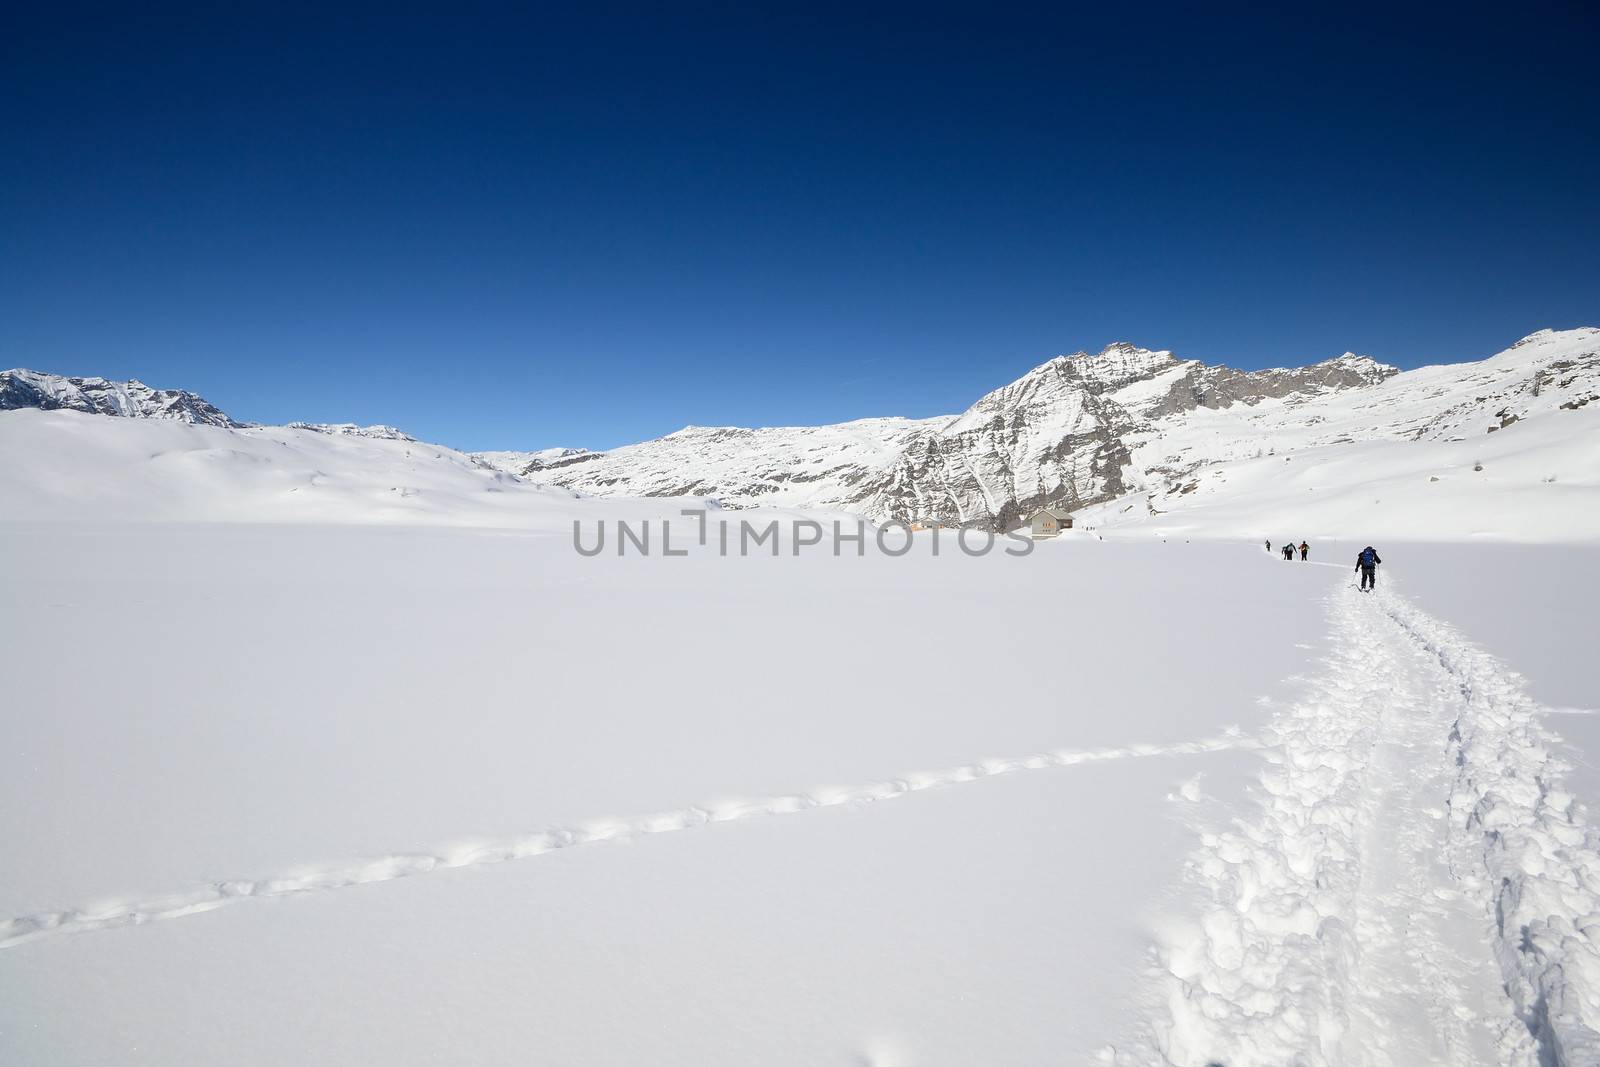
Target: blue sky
[521,226]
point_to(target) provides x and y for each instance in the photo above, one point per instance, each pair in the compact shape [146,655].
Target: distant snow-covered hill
[350,429]
[518,462]
[67,466]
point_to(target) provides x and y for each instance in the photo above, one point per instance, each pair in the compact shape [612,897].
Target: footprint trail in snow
[212,895]
[1415,886]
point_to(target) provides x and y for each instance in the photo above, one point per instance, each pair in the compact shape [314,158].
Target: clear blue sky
[522,226]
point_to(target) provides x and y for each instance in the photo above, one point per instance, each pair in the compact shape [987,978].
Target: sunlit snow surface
[221,703]
[330,772]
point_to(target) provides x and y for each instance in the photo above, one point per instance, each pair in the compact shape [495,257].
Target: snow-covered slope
[1506,448]
[63,465]
[33,389]
[1546,374]
[1083,429]
[498,803]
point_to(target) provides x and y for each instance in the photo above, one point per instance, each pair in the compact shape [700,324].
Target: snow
[22,388]
[329,748]
[1089,428]
[1529,606]
[1139,396]
[350,429]
[1079,430]
[716,461]
[1340,917]
[304,708]
[1540,483]
[67,466]
[517,462]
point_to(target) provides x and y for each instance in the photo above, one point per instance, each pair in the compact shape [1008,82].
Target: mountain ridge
[93,395]
[23,388]
[1075,431]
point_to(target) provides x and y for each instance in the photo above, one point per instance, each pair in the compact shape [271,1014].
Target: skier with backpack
[1304,548]
[1288,550]
[1367,563]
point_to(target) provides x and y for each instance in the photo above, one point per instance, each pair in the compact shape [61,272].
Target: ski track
[1416,887]
[1537,857]
[482,852]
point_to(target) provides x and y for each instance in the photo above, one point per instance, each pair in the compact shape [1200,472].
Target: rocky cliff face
[1058,435]
[1201,386]
[1084,428]
[33,389]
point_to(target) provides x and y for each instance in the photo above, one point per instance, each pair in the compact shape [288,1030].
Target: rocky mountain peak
[22,388]
[1076,429]
[1059,383]
[1118,364]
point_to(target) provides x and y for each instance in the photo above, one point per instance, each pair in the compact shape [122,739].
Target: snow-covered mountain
[1082,429]
[1153,434]
[21,388]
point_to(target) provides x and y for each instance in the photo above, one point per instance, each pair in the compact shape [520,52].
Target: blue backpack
[1368,557]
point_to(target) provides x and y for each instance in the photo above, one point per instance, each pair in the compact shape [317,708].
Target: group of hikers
[1366,561]
[1288,550]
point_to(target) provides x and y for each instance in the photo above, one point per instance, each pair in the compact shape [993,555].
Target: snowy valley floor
[344,794]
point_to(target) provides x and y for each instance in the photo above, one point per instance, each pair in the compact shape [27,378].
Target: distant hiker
[1367,563]
[1304,548]
[1288,551]
[1269,546]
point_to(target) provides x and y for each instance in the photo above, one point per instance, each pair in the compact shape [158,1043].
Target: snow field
[1415,886]
[375,747]
[1536,855]
[474,853]
[299,671]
